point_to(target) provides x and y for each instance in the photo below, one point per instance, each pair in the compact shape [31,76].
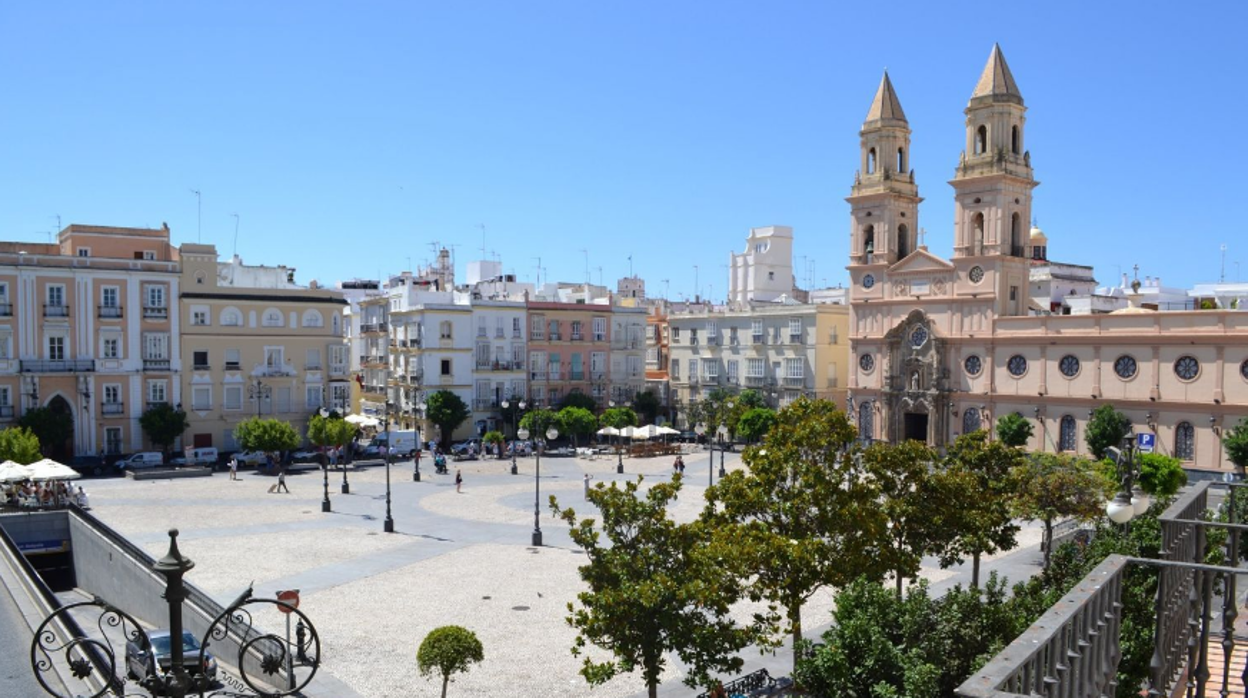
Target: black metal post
[325,506]
[619,451]
[172,566]
[342,460]
[723,452]
[514,470]
[537,486]
[388,524]
[416,465]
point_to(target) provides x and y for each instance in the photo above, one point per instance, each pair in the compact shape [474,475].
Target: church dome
[1038,236]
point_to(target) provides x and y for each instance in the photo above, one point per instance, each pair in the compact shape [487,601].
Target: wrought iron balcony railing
[112,408]
[110,311]
[57,365]
[155,312]
[55,310]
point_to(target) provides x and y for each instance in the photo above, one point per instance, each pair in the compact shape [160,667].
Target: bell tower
[992,190]
[884,200]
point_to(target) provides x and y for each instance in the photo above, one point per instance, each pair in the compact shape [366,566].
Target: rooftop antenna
[235,252]
[695,282]
[482,227]
[538,283]
[199,216]
[586,253]
[666,283]
[600,276]
[630,266]
[58,222]
[1222,276]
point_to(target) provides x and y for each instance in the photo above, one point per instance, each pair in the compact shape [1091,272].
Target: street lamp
[507,405]
[325,506]
[551,434]
[416,456]
[1130,501]
[723,447]
[619,447]
[700,429]
[259,392]
[388,524]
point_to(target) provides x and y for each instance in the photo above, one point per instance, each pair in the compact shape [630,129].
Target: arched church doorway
[915,426]
[63,451]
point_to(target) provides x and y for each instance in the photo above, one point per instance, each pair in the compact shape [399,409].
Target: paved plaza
[455,558]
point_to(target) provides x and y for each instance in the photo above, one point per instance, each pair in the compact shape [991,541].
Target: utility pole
[695,282]
[199,216]
[1222,276]
[235,252]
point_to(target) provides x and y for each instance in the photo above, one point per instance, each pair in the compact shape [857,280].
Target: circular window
[868,281]
[918,337]
[1069,365]
[866,362]
[1243,369]
[1017,365]
[977,274]
[973,365]
[1125,367]
[1187,368]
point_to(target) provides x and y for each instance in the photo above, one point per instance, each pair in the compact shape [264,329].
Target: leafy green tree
[976,472]
[578,399]
[750,399]
[52,428]
[266,434]
[512,413]
[802,515]
[331,431]
[1235,441]
[618,417]
[163,423]
[577,422]
[1107,427]
[646,404]
[654,587]
[1048,487]
[907,499]
[447,411]
[1014,430]
[538,421]
[1160,475]
[493,438]
[447,651]
[755,423]
[19,445]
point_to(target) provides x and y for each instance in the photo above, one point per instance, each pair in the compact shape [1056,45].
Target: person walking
[459,480]
[588,477]
[233,468]
[281,481]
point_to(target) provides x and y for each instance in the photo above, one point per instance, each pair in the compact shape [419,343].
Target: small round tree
[1014,430]
[1106,428]
[493,439]
[1236,444]
[448,650]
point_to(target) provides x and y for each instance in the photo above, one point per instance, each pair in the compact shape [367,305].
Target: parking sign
[1145,443]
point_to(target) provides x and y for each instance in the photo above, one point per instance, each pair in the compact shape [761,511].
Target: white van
[146,459]
[205,455]
[405,442]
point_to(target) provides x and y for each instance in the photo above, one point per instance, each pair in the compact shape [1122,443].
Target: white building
[764,272]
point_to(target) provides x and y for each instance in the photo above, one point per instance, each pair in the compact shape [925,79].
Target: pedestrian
[281,481]
[459,480]
[333,456]
[83,501]
[233,467]
[588,477]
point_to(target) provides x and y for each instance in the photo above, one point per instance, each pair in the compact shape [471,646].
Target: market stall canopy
[48,469]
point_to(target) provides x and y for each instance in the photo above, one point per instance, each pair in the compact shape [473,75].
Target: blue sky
[350,136]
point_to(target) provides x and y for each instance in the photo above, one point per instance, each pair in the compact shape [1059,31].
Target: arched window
[1014,139]
[1016,235]
[1066,434]
[901,159]
[981,140]
[272,318]
[977,234]
[231,317]
[1184,441]
[866,421]
[903,241]
[868,239]
[971,421]
[312,318]
[871,161]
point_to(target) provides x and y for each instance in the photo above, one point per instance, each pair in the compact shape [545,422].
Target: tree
[512,413]
[447,411]
[1049,487]
[803,515]
[266,434]
[906,498]
[618,417]
[577,422]
[52,428]
[1160,475]
[655,586]
[1106,427]
[755,423]
[646,404]
[329,432]
[19,445]
[578,399]
[494,438]
[1014,430]
[750,399]
[448,650]
[1235,441]
[976,473]
[163,424]
[538,421]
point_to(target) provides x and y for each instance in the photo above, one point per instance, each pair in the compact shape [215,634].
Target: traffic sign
[288,597]
[1146,443]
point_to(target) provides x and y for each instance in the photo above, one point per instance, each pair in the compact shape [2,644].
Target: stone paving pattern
[454,558]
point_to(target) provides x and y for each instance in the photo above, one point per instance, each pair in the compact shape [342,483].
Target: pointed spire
[996,84]
[885,106]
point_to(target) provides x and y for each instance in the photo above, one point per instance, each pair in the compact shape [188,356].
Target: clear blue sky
[349,136]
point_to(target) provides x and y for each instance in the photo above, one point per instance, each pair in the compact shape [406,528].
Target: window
[552,365]
[868,240]
[693,335]
[576,366]
[313,318]
[1184,441]
[312,397]
[149,255]
[339,396]
[110,348]
[1014,145]
[1066,434]
[871,161]
[675,370]
[6,396]
[200,360]
[901,159]
[977,239]
[233,397]
[232,360]
[1069,366]
[1187,368]
[112,440]
[282,398]
[675,335]
[108,297]
[971,420]
[733,370]
[903,241]
[537,327]
[756,331]
[754,368]
[481,327]
[199,317]
[794,368]
[312,360]
[84,251]
[56,295]
[771,276]
[1125,367]
[446,367]
[866,421]
[338,358]
[201,398]
[600,329]
[56,348]
[866,362]
[272,318]
[711,366]
[1016,235]
[576,330]
[1017,365]
[155,296]
[112,394]
[981,140]
[515,327]
[795,327]
[232,317]
[693,369]
[444,329]
[157,392]
[275,358]
[498,328]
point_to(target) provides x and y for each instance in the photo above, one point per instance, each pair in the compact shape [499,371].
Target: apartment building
[255,343]
[658,354]
[598,350]
[86,331]
[500,353]
[784,351]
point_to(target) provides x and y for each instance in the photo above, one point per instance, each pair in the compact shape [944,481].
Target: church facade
[941,347]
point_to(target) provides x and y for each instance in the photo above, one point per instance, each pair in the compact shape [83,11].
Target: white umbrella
[667,431]
[647,432]
[48,469]
[608,431]
[628,431]
[14,472]
[362,420]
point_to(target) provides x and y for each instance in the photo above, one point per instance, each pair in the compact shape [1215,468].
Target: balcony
[109,311]
[6,412]
[758,339]
[757,381]
[373,389]
[312,366]
[794,381]
[537,375]
[112,408]
[372,359]
[58,366]
[484,404]
[337,369]
[578,337]
[155,312]
[796,339]
[576,375]
[556,337]
[201,367]
[6,310]
[373,327]
[233,366]
[157,364]
[55,310]
[406,343]
[537,336]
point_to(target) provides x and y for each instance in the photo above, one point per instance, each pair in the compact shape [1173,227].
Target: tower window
[977,234]
[901,159]
[1016,236]
[1014,139]
[981,140]
[868,239]
[903,241]
[871,161]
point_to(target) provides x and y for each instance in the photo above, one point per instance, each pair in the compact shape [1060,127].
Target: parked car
[252,458]
[306,455]
[461,448]
[142,664]
[91,465]
[143,459]
[205,455]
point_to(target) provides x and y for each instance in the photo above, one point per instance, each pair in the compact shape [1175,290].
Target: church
[942,347]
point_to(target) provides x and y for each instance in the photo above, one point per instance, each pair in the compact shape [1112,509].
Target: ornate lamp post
[723,450]
[507,405]
[325,505]
[1130,501]
[551,434]
[416,457]
[172,566]
[259,392]
[619,449]
[700,429]
[388,524]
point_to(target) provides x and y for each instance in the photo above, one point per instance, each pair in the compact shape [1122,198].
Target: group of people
[44,494]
